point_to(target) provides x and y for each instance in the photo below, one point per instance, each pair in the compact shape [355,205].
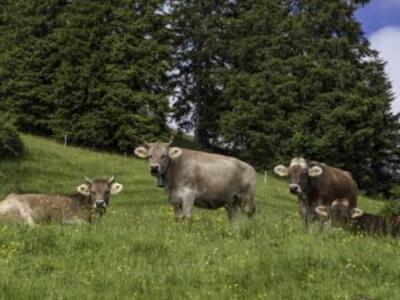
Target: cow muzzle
[294,189]
[100,204]
[155,170]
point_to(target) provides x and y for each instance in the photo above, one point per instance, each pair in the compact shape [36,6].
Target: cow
[92,198]
[316,184]
[371,223]
[338,212]
[359,221]
[194,178]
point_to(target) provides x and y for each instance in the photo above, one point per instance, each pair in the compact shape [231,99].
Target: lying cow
[365,222]
[317,184]
[91,198]
[370,223]
[194,178]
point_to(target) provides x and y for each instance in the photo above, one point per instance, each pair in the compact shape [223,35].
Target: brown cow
[317,184]
[339,212]
[91,198]
[194,178]
[371,223]
[359,221]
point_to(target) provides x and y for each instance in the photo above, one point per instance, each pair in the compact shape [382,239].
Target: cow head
[356,213]
[339,212]
[160,155]
[98,192]
[299,173]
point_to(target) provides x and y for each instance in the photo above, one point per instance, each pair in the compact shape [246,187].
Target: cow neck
[87,207]
[169,174]
[161,180]
[83,201]
[312,187]
[307,197]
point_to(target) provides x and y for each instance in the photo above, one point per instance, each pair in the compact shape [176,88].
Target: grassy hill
[137,250]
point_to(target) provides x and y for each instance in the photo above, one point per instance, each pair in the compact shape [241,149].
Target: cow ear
[116,188]
[356,212]
[83,189]
[174,152]
[322,210]
[281,170]
[142,152]
[315,171]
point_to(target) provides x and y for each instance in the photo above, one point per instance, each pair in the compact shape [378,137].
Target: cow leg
[247,200]
[26,214]
[233,211]
[321,225]
[183,202]
[247,205]
[178,212]
[306,224]
[304,214]
[187,206]
[14,211]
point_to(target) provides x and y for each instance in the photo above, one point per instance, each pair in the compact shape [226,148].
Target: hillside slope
[137,251]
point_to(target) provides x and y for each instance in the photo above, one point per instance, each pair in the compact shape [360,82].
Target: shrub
[392,208]
[10,143]
[395,192]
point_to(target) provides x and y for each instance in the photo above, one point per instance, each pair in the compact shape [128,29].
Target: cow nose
[155,169]
[100,203]
[294,188]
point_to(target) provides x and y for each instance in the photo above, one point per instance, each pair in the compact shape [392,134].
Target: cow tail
[248,200]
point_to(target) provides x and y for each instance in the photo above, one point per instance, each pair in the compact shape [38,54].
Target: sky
[380,20]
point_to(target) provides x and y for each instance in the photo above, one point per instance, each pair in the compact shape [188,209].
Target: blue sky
[380,21]
[379,14]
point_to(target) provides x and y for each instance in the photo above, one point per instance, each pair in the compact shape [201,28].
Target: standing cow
[194,178]
[317,184]
[92,198]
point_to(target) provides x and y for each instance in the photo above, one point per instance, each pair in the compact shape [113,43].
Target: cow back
[47,207]
[332,184]
[212,176]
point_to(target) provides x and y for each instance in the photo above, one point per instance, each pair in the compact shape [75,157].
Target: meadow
[138,251]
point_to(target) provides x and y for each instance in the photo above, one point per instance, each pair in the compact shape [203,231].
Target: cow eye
[151,156]
[164,156]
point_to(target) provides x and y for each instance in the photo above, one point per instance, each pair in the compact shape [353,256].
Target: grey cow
[194,178]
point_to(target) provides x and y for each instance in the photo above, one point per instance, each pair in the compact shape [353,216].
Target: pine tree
[199,27]
[350,122]
[111,86]
[256,85]
[24,65]
[304,81]
[95,71]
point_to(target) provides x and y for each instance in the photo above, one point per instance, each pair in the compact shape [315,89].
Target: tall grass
[137,250]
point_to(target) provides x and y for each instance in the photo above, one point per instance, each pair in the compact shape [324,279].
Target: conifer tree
[199,27]
[111,86]
[24,65]
[93,70]
[305,82]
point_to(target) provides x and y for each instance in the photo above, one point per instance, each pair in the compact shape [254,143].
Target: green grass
[137,250]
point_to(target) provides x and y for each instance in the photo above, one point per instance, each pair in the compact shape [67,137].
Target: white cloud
[387,42]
